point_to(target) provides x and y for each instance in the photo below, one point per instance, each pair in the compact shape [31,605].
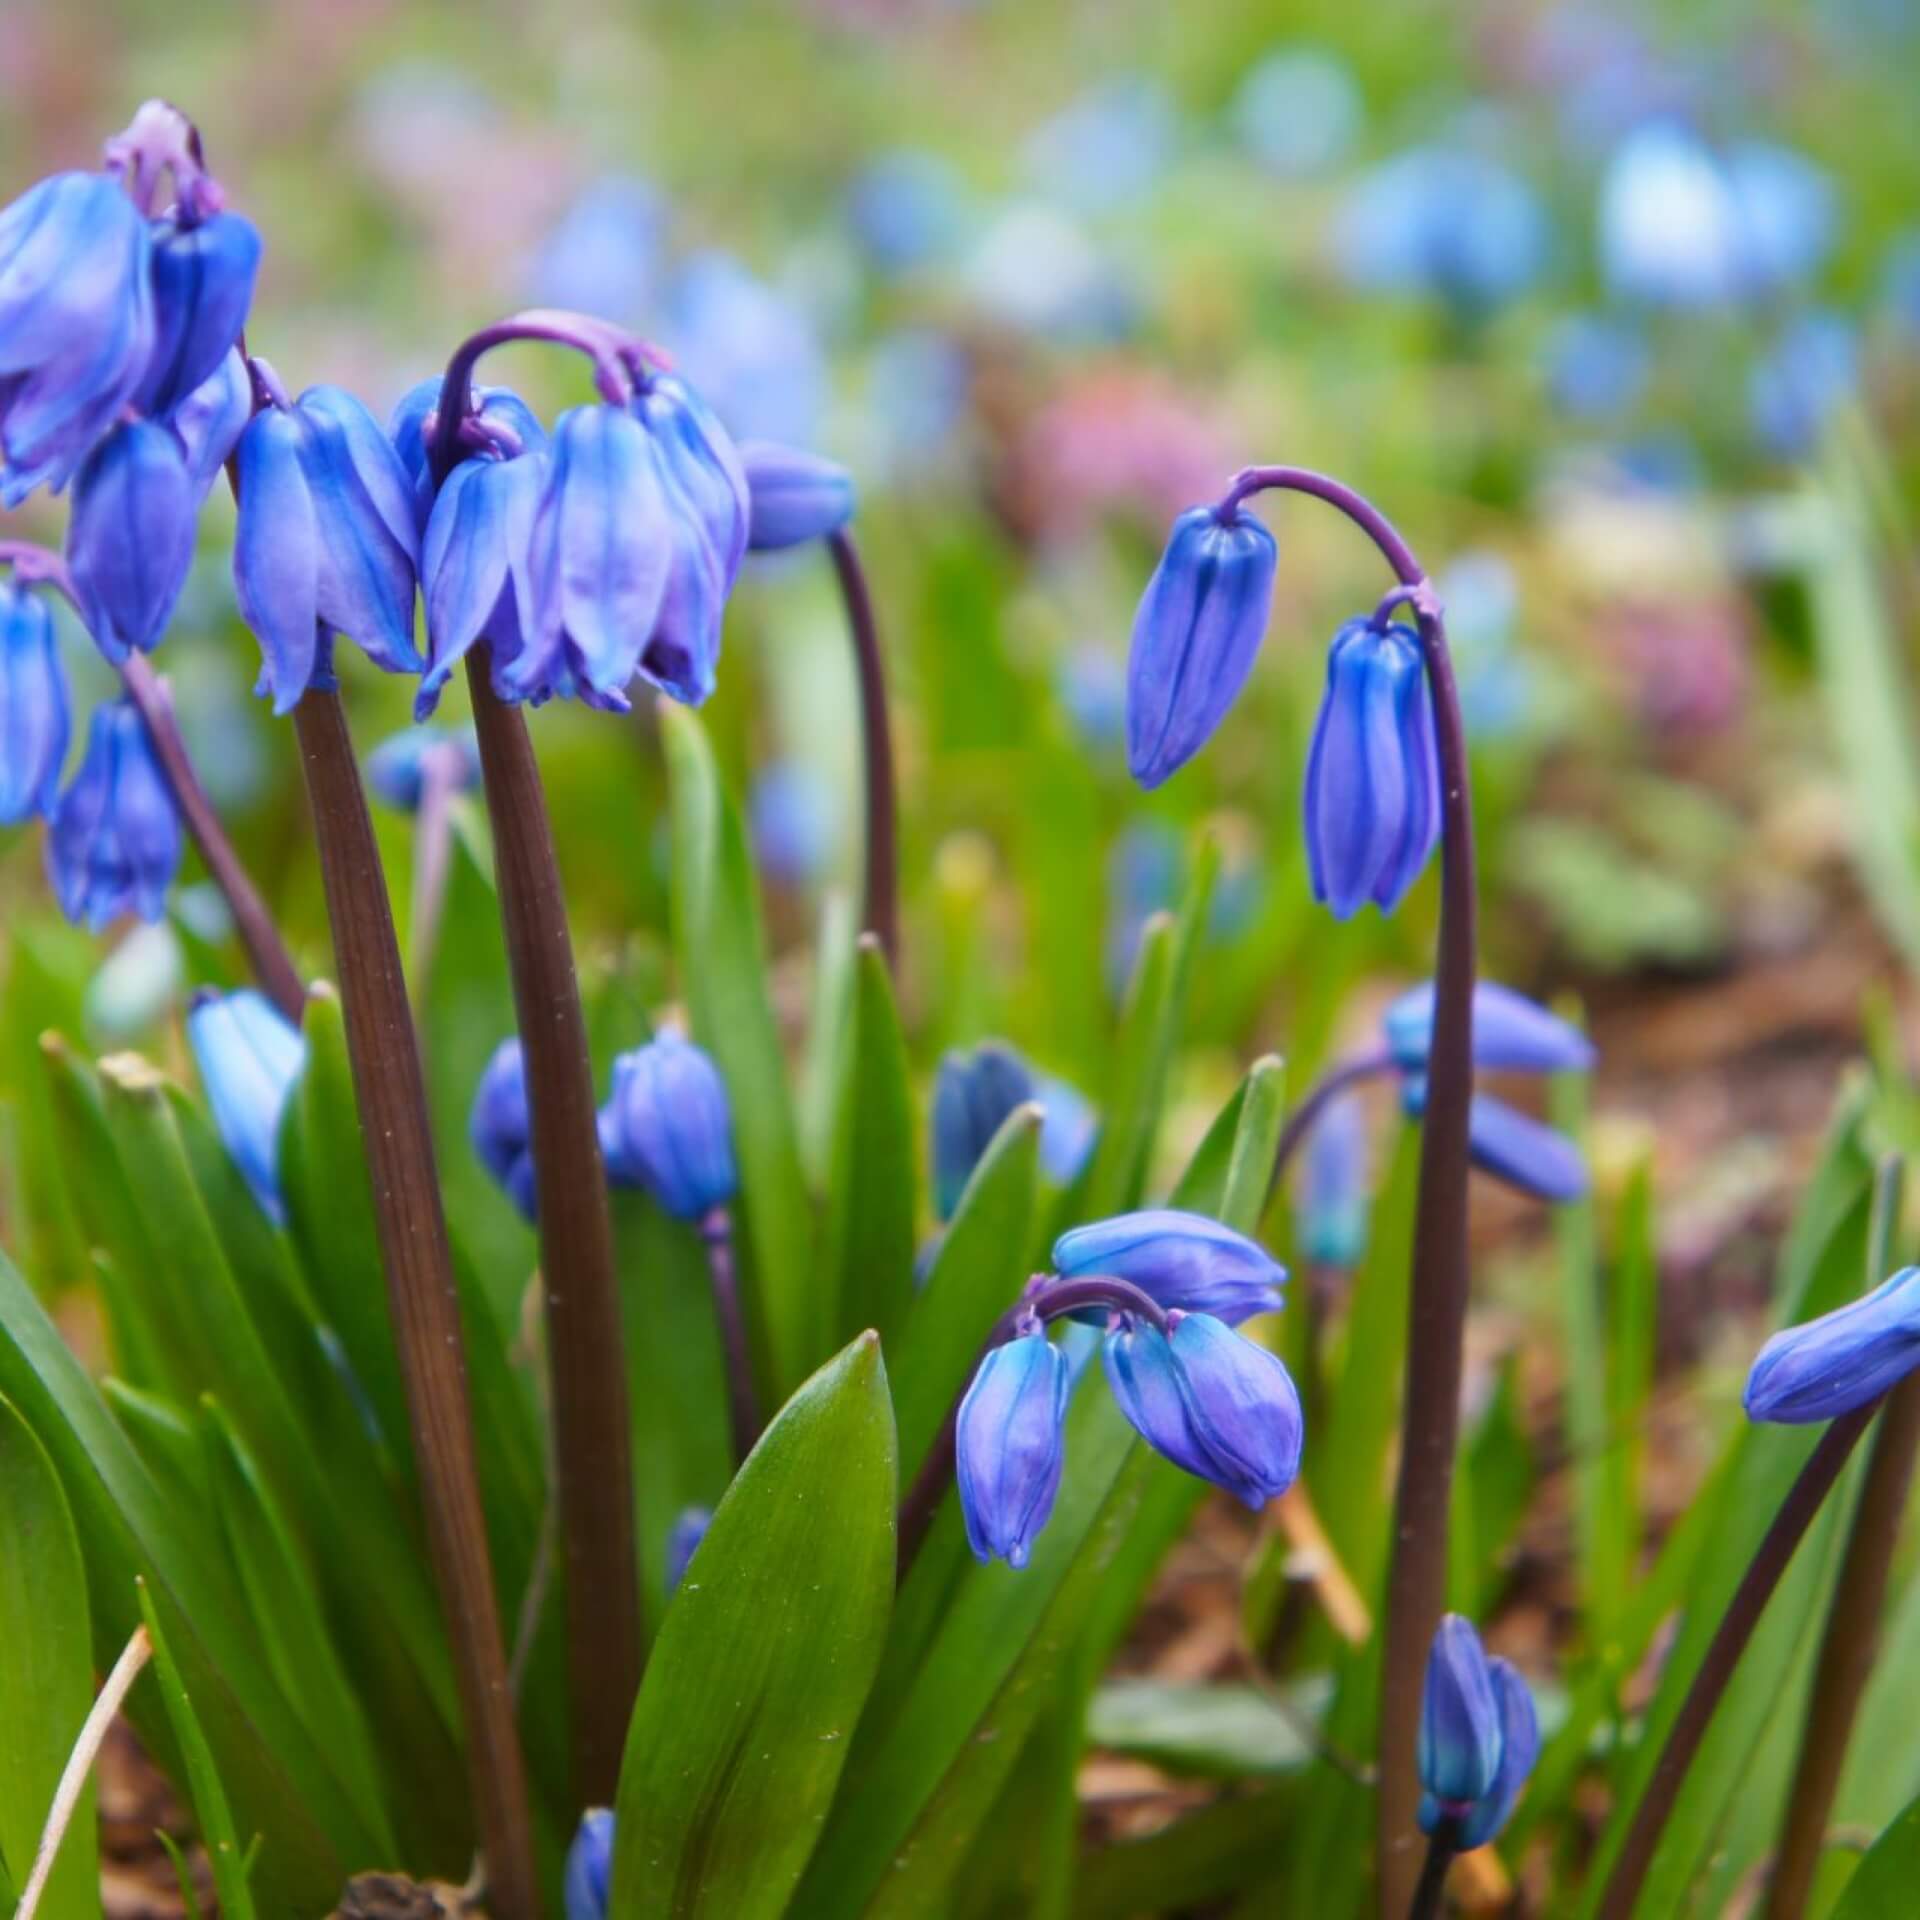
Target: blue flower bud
[793,497]
[113,838]
[1331,1207]
[202,288]
[1460,1739]
[793,816]
[1512,1146]
[1841,1361]
[1519,1749]
[397,768]
[130,540]
[682,1543]
[211,419]
[76,324]
[1194,639]
[33,706]
[1010,1445]
[326,535]
[1510,1033]
[590,1866]
[973,1093]
[1212,1402]
[501,1126]
[668,1127]
[1373,773]
[249,1057]
[1182,1260]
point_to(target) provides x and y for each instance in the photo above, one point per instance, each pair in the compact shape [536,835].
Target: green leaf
[1882,1887]
[870,1219]
[817,1100]
[210,1805]
[722,961]
[46,1674]
[47,969]
[1219,1731]
[765,1657]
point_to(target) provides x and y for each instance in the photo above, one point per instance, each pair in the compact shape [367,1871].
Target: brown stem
[592,1429]
[880,913]
[1730,1639]
[743,1402]
[391,1094]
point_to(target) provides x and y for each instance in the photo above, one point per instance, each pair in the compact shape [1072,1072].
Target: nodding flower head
[1841,1361]
[1510,1033]
[202,287]
[1525,1153]
[1211,1401]
[326,538]
[973,1095]
[1009,1446]
[1180,1260]
[33,706]
[793,497]
[249,1058]
[1195,637]
[501,1126]
[130,540]
[398,767]
[1479,1737]
[668,1127]
[113,839]
[589,1875]
[76,324]
[1373,771]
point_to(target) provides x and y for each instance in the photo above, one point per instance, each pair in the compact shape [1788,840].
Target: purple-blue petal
[1829,1366]
[1460,1739]
[202,287]
[1179,1259]
[276,553]
[34,707]
[1510,1033]
[130,538]
[793,496]
[1009,1446]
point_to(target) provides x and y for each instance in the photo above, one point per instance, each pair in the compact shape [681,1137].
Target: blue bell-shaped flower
[1010,1446]
[1373,772]
[973,1094]
[668,1127]
[76,324]
[113,839]
[1195,637]
[501,1126]
[1510,1033]
[326,537]
[793,496]
[1841,1361]
[202,287]
[1180,1260]
[1525,1153]
[589,1875]
[33,706]
[249,1057]
[701,464]
[130,540]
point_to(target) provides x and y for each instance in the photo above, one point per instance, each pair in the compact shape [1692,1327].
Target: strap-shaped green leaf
[1882,1886]
[764,1660]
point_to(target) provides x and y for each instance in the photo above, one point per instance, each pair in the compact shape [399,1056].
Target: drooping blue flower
[1800,382]
[750,350]
[1180,1260]
[589,1875]
[1373,772]
[907,209]
[1669,228]
[1510,1032]
[1787,215]
[793,816]
[1330,1208]
[1009,1446]
[1460,1737]
[973,1095]
[211,419]
[202,287]
[668,1127]
[701,467]
[689,1529]
[794,496]
[396,769]
[602,254]
[130,538]
[249,1057]
[1596,367]
[1298,111]
[113,838]
[501,1126]
[1846,1358]
[326,537]
[512,427]
[1519,1749]
[1195,637]
[76,324]
[1210,1401]
[33,706]
[1512,1146]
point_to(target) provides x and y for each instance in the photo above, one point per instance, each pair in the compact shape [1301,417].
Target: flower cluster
[1479,1738]
[1170,1288]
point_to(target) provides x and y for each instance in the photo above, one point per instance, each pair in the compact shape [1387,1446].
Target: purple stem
[1416,1585]
[1328,1088]
[743,1401]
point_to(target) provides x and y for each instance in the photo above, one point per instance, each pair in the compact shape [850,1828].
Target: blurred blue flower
[1373,772]
[668,1127]
[750,351]
[973,1095]
[113,838]
[918,384]
[589,1877]
[501,1126]
[1143,878]
[1787,215]
[1447,223]
[1210,1401]
[603,253]
[684,1541]
[396,768]
[76,324]
[794,820]
[907,209]
[1519,1749]
[1843,1360]
[1195,637]
[1332,1202]
[1092,685]
[326,536]
[1108,148]
[1512,1146]
[1809,371]
[1496,681]
[1510,1032]
[1180,1260]
[202,279]
[1298,112]
[1037,271]
[130,536]
[1009,1446]
[1069,1127]
[138,983]
[33,706]
[793,497]
[249,1057]
[1596,366]
[1460,1739]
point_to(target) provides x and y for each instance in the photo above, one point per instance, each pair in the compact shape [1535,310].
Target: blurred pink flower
[1686,665]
